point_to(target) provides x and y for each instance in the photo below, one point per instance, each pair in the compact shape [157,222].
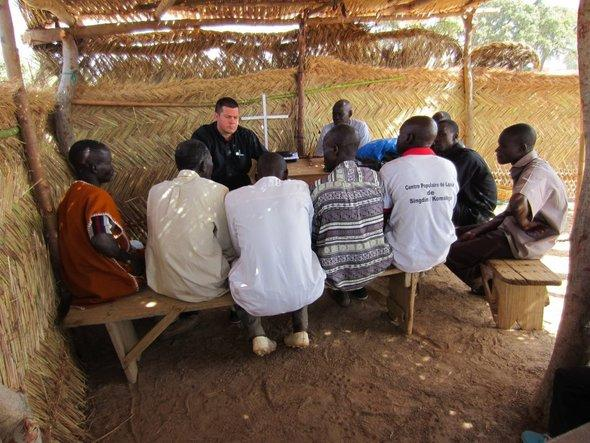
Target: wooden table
[308,170]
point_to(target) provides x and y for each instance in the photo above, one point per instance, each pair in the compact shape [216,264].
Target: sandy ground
[457,378]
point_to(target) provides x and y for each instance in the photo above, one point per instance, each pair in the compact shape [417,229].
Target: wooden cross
[265,118]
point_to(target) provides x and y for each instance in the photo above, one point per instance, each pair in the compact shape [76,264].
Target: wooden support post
[124,338]
[400,303]
[65,93]
[468,78]
[581,157]
[301,47]
[41,188]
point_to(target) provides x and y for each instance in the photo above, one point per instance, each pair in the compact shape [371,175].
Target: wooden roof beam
[35,37]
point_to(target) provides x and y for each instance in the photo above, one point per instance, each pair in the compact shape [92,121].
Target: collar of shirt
[418,150]
[518,167]
[267,182]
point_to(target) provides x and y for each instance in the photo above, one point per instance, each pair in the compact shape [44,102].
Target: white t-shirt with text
[421,191]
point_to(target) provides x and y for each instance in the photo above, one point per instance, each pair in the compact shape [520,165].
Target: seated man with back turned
[534,218]
[420,194]
[232,146]
[98,262]
[276,272]
[342,114]
[348,220]
[478,195]
[189,248]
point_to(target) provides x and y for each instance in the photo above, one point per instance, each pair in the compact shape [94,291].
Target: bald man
[342,114]
[98,262]
[348,219]
[420,194]
[530,225]
[276,270]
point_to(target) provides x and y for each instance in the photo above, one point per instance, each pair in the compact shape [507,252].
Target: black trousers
[254,324]
[465,257]
[570,405]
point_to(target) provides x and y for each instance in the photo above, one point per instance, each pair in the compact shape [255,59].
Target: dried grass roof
[37,12]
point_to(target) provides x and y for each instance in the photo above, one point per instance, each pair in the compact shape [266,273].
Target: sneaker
[297,340]
[359,294]
[262,345]
[341,297]
[533,437]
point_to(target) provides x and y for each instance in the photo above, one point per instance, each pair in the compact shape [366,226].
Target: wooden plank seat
[518,291]
[117,315]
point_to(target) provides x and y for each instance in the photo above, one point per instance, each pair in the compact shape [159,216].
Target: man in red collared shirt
[420,194]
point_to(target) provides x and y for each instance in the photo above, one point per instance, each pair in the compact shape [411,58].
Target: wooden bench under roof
[117,315]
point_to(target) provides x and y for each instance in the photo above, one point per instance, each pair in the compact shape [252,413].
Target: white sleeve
[231,224]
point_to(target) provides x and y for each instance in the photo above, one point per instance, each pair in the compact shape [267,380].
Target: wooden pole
[581,156]
[572,342]
[65,93]
[468,78]
[301,47]
[40,188]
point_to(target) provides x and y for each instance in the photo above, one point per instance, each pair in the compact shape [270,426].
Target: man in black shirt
[477,196]
[232,146]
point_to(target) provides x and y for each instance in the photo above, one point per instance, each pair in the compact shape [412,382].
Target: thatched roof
[42,13]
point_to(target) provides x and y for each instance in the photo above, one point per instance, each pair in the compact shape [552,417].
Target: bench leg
[520,305]
[124,338]
[400,303]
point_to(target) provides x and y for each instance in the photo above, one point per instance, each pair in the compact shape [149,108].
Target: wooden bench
[117,315]
[518,291]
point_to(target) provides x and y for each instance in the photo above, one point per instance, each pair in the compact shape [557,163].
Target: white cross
[265,118]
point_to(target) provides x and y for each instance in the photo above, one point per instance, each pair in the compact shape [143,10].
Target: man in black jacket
[477,196]
[232,147]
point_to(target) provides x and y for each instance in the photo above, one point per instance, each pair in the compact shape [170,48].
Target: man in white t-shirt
[277,271]
[420,194]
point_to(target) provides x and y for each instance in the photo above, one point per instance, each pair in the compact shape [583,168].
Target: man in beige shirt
[530,225]
[189,247]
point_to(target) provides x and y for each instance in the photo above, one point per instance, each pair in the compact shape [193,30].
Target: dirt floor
[457,378]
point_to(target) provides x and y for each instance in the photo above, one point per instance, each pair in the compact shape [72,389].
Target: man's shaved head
[340,144]
[515,142]
[440,116]
[91,161]
[417,131]
[271,164]
[194,156]
[341,112]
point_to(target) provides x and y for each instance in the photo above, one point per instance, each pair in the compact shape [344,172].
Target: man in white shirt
[420,194]
[276,271]
[342,114]
[189,249]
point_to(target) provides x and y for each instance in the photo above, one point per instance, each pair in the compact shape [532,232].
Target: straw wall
[35,355]
[143,138]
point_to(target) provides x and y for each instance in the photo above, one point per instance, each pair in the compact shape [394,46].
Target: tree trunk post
[301,47]
[468,77]
[571,343]
[41,188]
[65,93]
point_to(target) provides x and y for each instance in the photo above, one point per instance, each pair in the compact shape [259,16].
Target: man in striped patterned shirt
[347,231]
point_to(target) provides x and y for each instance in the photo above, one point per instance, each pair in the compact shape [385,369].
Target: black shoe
[234,319]
[341,297]
[359,294]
